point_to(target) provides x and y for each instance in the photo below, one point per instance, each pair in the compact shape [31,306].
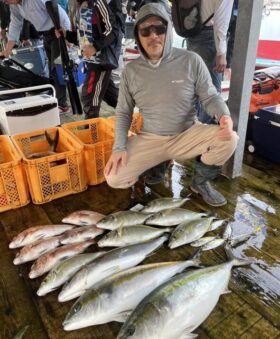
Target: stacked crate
[13,185]
[97,138]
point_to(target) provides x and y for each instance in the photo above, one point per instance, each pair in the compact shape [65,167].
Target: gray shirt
[166,94]
[35,12]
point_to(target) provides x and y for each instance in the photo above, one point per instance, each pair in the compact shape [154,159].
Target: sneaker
[63,109]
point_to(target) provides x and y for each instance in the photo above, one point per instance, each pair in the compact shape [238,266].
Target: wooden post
[243,66]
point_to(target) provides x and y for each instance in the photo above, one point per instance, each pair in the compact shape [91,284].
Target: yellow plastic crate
[52,176]
[13,185]
[135,126]
[97,138]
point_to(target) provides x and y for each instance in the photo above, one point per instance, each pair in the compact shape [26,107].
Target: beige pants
[147,150]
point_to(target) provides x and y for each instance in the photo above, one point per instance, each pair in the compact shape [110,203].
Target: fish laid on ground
[64,270]
[213,244]
[158,205]
[228,232]
[121,219]
[47,261]
[239,239]
[83,218]
[179,306]
[202,241]
[187,232]
[115,298]
[173,217]
[112,262]
[130,235]
[36,249]
[208,243]
[35,233]
[81,234]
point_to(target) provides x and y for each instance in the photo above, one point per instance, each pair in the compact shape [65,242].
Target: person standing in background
[99,36]
[4,19]
[231,38]
[211,42]
[35,12]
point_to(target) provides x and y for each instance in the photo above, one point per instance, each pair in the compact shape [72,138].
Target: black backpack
[186,17]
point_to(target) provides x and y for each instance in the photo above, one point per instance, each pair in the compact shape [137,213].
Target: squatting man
[164,84]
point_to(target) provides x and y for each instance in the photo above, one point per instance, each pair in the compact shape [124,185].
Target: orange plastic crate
[13,185]
[135,126]
[97,138]
[56,175]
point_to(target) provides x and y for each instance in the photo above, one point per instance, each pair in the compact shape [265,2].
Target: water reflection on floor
[252,213]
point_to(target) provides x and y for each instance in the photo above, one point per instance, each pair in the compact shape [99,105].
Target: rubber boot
[156,174]
[201,185]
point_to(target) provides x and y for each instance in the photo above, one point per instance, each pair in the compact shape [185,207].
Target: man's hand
[226,125]
[3,34]
[26,43]
[221,63]
[116,159]
[89,51]
[60,32]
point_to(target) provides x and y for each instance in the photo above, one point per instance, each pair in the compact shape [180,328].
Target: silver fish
[202,241]
[158,205]
[83,218]
[112,262]
[239,239]
[130,235]
[64,270]
[228,232]
[121,219]
[187,232]
[35,233]
[36,249]
[177,307]
[173,217]
[81,234]
[213,244]
[47,261]
[114,298]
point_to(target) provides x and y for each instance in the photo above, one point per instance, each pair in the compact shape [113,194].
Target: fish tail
[237,261]
[52,141]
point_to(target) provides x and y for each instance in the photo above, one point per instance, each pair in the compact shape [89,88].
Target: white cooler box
[29,113]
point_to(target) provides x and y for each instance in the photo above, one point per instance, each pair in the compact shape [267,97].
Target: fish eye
[77,308]
[131,330]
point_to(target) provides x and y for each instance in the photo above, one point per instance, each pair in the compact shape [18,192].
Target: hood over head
[155,9]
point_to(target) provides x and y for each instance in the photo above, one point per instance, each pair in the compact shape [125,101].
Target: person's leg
[93,90]
[111,94]
[202,143]
[143,152]
[204,45]
[53,51]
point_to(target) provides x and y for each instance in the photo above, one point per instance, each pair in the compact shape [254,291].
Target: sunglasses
[157,29]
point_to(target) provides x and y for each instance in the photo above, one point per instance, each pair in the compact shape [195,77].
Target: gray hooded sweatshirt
[166,94]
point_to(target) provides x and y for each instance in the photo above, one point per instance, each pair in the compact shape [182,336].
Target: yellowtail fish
[121,219]
[112,262]
[114,298]
[158,205]
[64,270]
